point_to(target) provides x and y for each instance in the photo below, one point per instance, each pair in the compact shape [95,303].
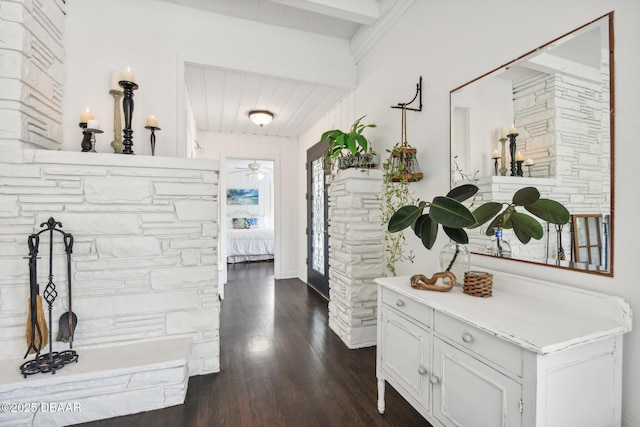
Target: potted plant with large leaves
[351,148]
[449,212]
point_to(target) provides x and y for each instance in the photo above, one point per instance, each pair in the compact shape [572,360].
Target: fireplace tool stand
[52,361]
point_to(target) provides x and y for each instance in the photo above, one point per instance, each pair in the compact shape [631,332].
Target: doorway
[317,221]
[247,210]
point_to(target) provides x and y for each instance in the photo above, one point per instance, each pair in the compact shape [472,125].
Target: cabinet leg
[381,396]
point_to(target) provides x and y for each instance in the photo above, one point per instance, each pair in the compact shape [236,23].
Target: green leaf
[403,218]
[356,124]
[351,145]
[526,196]
[485,212]
[525,227]
[362,141]
[458,235]
[462,192]
[549,210]
[450,213]
[427,230]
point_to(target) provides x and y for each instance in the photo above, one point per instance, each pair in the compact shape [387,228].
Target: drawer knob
[434,379]
[467,337]
[422,370]
[400,303]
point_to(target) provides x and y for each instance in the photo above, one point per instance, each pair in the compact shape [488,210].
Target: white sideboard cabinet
[533,355]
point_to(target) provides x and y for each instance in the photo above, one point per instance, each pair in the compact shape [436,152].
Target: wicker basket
[478,284]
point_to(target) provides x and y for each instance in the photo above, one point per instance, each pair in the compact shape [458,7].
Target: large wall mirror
[559,100]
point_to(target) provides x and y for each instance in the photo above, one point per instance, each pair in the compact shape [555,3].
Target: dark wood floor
[281,365]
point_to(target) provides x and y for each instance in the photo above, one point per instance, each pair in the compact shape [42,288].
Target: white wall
[155,39]
[449,48]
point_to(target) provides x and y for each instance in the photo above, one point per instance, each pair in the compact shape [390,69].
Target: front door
[317,224]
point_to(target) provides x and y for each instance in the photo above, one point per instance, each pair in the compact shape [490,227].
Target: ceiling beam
[364,12]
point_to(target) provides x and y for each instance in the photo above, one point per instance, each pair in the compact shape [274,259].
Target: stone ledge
[105,382]
[32,156]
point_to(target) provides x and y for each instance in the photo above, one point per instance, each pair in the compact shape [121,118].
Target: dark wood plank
[281,365]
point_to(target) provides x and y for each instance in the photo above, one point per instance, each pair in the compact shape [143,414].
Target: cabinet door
[405,355]
[469,393]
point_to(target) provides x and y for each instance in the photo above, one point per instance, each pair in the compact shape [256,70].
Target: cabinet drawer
[497,350]
[411,308]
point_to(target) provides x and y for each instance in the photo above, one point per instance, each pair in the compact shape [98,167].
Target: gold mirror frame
[607,22]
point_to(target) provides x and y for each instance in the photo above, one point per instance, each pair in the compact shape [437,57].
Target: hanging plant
[396,194]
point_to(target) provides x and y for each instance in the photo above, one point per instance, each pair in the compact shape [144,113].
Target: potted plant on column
[350,149]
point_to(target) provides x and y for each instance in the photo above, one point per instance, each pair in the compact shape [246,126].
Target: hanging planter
[404,162]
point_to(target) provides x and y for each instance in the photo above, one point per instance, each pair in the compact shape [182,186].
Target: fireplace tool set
[37,333]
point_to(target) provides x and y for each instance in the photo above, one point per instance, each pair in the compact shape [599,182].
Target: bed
[249,244]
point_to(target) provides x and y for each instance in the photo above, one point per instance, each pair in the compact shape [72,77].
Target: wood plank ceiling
[221,98]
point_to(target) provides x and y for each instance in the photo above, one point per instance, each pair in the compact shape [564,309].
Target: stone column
[356,255]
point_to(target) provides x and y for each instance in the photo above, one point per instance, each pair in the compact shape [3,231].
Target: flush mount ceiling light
[261,117]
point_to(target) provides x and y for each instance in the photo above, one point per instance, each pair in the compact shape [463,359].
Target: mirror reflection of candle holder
[512,151]
[153,130]
[88,143]
[127,108]
[528,165]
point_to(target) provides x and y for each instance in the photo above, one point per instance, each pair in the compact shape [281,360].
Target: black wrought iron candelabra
[127,108]
[512,152]
[52,361]
[153,130]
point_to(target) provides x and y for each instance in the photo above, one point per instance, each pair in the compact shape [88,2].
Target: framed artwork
[242,196]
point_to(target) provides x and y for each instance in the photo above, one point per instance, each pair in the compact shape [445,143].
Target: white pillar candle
[116,76]
[85,116]
[152,121]
[529,162]
[513,129]
[519,157]
[495,154]
[503,133]
[128,76]
[93,124]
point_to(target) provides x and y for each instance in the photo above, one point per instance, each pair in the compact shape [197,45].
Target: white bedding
[252,244]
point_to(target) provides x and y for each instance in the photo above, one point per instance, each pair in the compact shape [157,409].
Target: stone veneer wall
[31,73]
[144,261]
[564,128]
[356,255]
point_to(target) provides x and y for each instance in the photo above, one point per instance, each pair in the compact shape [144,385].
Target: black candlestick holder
[512,152]
[88,143]
[86,138]
[519,167]
[127,108]
[153,130]
[495,165]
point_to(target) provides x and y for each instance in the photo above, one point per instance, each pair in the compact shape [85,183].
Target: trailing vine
[396,194]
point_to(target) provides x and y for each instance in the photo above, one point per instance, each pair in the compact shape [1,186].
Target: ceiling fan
[254,170]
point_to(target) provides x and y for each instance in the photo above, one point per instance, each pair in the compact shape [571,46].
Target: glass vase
[456,258]
[498,246]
